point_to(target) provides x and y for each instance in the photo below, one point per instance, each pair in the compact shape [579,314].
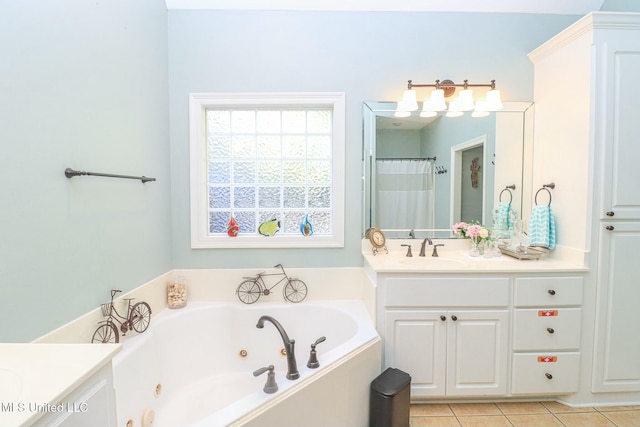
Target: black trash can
[390,399]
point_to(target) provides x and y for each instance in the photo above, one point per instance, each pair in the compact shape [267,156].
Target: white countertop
[41,374]
[454,258]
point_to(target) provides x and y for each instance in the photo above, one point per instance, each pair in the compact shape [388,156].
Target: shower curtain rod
[408,158]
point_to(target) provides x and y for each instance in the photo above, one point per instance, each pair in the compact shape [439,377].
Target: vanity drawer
[547,329]
[547,291]
[447,292]
[545,373]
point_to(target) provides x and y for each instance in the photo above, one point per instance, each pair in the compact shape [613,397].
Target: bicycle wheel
[249,291]
[140,316]
[106,333]
[295,290]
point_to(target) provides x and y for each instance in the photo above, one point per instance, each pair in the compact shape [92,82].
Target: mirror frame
[371,109]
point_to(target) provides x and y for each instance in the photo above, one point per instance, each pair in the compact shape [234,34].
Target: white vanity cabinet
[476,335]
[546,335]
[586,98]
[449,333]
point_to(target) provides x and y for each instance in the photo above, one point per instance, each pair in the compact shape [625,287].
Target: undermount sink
[11,385]
[435,262]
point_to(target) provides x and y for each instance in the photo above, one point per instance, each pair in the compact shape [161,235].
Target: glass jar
[177,292]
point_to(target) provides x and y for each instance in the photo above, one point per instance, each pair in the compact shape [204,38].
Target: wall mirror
[421,175]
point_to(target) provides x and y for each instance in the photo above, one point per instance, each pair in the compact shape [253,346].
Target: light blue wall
[369,56]
[103,86]
[83,84]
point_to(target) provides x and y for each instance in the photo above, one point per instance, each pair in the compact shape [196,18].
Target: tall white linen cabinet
[587,141]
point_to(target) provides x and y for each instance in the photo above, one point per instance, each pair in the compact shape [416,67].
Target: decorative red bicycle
[252,288]
[138,318]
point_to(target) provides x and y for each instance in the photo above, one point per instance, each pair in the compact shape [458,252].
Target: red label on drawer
[547,313]
[547,359]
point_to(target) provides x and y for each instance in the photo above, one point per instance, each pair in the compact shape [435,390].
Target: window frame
[199,103]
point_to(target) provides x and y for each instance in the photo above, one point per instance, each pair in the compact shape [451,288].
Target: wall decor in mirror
[423,174]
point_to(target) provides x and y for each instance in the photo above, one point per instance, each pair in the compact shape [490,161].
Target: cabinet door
[415,342]
[620,61]
[616,364]
[477,352]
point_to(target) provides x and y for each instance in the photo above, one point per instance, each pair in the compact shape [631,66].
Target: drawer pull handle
[548,375]
[551,292]
[443,318]
[609,228]
[550,330]
[454,317]
[610,213]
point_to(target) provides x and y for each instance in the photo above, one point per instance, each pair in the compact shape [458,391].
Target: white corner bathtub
[193,367]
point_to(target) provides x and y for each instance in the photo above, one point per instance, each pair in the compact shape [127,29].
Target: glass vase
[475,250]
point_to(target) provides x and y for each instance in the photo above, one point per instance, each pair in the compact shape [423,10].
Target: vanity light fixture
[445,89]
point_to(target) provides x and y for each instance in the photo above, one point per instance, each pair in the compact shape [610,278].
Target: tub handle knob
[271,386]
[313,357]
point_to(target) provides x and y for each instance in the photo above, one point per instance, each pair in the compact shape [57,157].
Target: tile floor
[522,414]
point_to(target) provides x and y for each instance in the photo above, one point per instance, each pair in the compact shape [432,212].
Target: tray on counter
[531,253]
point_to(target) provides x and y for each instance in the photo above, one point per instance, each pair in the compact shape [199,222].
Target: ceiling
[559,7]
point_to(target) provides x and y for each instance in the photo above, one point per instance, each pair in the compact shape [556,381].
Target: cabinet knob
[550,330]
[454,317]
[443,318]
[610,227]
[610,213]
[548,375]
[551,292]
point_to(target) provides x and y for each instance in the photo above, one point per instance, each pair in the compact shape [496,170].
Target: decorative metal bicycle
[138,318]
[252,288]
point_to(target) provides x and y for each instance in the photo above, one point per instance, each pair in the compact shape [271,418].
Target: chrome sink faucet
[424,244]
[289,346]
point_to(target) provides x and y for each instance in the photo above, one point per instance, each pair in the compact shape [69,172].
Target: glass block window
[267,158]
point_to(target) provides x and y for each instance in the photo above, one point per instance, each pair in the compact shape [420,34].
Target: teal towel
[503,219]
[542,228]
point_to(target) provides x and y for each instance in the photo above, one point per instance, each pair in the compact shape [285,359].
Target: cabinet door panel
[415,342]
[617,315]
[620,193]
[477,353]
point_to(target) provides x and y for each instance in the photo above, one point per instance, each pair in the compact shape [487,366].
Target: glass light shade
[437,101]
[494,101]
[454,110]
[481,109]
[465,100]
[428,114]
[409,100]
[400,113]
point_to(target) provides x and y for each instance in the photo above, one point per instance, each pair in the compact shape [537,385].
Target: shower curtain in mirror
[405,194]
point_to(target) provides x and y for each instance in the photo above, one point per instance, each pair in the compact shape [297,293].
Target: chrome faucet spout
[289,346]
[424,244]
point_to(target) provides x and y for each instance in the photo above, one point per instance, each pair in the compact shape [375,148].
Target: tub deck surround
[454,258]
[39,374]
[220,285]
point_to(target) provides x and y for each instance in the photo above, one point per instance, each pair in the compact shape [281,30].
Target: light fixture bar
[449,83]
[445,89]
